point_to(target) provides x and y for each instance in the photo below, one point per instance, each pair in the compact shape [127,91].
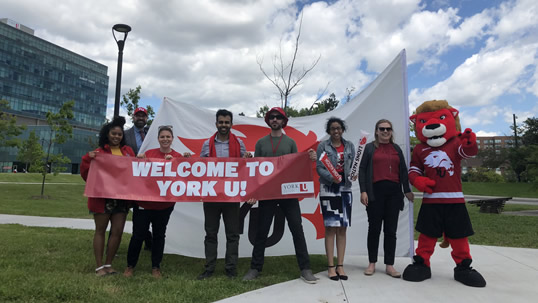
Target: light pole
[125,29]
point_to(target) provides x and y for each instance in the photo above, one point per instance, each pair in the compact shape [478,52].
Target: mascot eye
[422,121]
[442,117]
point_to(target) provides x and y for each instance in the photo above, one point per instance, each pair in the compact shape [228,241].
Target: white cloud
[481,78]
[205,52]
[482,133]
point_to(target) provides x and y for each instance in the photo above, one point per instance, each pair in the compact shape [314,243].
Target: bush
[482,174]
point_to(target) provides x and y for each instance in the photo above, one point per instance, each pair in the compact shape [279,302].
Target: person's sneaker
[206,274]
[156,273]
[251,275]
[231,273]
[129,271]
[308,276]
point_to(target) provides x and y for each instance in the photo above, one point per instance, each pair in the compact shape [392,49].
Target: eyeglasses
[382,129]
[166,126]
[278,117]
[335,128]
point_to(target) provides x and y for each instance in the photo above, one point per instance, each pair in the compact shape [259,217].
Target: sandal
[342,277]
[101,271]
[109,269]
[334,278]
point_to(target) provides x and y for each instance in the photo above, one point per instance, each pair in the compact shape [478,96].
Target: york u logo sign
[297,188]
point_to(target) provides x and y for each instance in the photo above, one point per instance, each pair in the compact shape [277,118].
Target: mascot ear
[413,119]
[454,111]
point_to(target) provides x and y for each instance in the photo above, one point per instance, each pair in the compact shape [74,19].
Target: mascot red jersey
[435,170]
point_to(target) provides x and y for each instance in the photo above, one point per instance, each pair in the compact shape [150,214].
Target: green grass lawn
[500,230]
[522,190]
[20,177]
[57,264]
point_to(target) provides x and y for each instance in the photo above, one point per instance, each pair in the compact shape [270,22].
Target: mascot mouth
[436,141]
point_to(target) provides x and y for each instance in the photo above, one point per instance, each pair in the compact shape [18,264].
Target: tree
[516,157]
[31,152]
[532,162]
[59,131]
[317,107]
[8,127]
[491,159]
[285,76]
[530,131]
[130,103]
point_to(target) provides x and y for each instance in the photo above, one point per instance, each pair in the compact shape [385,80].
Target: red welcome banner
[200,179]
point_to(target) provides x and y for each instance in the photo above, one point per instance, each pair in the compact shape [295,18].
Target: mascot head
[436,122]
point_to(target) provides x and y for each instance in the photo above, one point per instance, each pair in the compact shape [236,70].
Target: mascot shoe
[418,271]
[465,274]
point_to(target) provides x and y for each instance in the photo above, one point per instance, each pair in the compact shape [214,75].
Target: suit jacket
[130,138]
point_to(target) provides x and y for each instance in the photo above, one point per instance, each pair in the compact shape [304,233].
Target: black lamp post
[125,29]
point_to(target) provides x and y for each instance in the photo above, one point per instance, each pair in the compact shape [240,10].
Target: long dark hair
[103,133]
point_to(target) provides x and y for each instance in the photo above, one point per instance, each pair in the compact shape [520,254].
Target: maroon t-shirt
[157,154]
[340,164]
[386,163]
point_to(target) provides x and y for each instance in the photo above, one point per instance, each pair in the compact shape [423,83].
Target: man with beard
[222,144]
[134,137]
[136,134]
[274,145]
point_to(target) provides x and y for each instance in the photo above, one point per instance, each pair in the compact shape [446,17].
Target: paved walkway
[511,274]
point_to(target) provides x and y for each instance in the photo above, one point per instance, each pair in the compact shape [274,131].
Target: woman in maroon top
[383,181]
[111,141]
[155,213]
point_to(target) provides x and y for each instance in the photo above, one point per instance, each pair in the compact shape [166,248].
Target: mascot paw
[418,271]
[424,184]
[465,274]
[468,137]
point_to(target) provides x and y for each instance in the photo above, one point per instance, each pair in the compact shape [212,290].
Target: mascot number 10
[435,170]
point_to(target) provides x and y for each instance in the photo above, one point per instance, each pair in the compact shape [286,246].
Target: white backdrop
[385,97]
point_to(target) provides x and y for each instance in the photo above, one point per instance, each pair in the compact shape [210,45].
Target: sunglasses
[166,126]
[382,129]
[278,117]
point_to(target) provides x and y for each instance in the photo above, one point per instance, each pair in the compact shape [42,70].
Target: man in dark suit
[136,134]
[134,137]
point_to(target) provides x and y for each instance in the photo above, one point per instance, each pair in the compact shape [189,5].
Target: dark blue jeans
[292,212]
[142,218]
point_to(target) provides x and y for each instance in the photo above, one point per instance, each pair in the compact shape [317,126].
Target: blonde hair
[391,140]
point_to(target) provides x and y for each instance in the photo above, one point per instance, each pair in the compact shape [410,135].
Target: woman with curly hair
[111,141]
[335,194]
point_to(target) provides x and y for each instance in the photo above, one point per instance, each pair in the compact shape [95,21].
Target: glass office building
[36,77]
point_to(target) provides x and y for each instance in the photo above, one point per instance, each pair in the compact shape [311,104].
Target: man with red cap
[134,137]
[273,145]
[136,134]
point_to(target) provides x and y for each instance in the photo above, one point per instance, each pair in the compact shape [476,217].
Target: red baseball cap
[276,110]
[140,109]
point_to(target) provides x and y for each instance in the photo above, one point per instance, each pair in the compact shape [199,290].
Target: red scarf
[233,143]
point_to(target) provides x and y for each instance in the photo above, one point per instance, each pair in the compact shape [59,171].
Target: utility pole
[515,130]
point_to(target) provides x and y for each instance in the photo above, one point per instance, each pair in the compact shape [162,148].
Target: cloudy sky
[480,55]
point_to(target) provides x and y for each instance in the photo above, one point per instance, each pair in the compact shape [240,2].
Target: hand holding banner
[327,163]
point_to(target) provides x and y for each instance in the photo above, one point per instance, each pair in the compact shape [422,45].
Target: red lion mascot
[435,170]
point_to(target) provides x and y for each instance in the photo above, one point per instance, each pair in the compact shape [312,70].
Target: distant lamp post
[125,29]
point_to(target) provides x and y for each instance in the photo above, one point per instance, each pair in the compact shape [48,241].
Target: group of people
[382,177]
